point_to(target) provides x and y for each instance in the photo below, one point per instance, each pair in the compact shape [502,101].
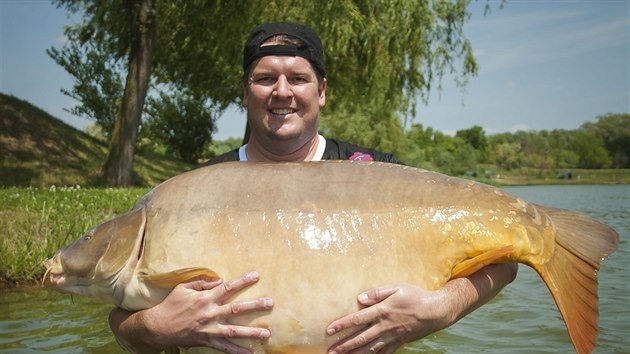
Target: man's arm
[195,313]
[400,314]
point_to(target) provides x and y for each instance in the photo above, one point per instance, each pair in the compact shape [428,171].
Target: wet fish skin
[319,233]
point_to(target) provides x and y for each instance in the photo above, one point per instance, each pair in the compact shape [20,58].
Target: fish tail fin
[582,243]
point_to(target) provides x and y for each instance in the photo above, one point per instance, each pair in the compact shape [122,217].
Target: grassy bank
[37,149]
[525,176]
[35,222]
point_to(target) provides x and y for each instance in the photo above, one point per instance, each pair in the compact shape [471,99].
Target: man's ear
[322,92]
[245,94]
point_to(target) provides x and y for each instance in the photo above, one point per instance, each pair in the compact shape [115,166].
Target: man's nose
[283,87]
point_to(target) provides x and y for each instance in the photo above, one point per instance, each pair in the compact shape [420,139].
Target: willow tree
[382,57]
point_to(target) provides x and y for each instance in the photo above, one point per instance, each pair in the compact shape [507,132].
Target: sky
[543,65]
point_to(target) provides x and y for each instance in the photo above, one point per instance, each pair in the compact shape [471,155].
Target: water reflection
[33,320]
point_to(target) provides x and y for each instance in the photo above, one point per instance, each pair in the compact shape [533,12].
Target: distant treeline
[599,145]
[604,144]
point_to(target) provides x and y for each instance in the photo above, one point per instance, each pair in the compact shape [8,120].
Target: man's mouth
[282,111]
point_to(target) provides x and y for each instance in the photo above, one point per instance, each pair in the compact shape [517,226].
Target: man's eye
[264,80]
[298,80]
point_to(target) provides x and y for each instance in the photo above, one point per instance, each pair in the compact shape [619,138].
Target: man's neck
[282,151]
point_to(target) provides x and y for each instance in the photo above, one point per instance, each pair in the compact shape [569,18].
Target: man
[284,91]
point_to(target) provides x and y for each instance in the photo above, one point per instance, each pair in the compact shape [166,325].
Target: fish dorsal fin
[171,279]
[471,265]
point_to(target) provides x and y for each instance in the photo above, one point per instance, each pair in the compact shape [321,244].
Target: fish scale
[319,233]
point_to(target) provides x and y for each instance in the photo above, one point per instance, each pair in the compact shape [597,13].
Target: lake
[521,319]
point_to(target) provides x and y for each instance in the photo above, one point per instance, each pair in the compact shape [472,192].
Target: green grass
[38,155]
[529,176]
[35,222]
[37,149]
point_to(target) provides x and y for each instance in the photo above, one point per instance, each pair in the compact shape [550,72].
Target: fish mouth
[54,272]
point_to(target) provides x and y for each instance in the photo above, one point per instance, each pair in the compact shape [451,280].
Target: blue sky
[544,64]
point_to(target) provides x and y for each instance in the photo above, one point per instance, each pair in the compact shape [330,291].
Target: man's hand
[195,313]
[397,314]
[401,313]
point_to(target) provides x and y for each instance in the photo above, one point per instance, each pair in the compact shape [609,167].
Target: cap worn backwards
[312,50]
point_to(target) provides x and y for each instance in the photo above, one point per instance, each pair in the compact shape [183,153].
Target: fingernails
[252,276]
[265,334]
[331,331]
[363,297]
[269,302]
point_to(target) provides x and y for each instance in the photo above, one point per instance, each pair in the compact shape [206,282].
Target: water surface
[521,319]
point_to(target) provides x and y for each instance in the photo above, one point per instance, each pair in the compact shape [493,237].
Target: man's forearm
[470,293]
[130,330]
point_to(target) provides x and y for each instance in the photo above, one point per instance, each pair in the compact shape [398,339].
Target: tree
[476,137]
[614,129]
[119,161]
[506,155]
[454,156]
[590,149]
[98,86]
[183,121]
[381,56]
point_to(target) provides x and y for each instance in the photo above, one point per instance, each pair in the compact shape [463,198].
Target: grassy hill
[37,149]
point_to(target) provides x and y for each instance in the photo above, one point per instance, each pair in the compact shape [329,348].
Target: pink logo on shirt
[359,156]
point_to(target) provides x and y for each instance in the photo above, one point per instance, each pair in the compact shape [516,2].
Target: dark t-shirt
[335,150]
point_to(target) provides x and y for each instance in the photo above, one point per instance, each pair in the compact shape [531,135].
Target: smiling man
[284,92]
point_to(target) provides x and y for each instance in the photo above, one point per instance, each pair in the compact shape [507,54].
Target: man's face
[283,99]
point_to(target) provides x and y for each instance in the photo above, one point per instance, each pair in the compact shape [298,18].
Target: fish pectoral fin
[171,279]
[471,265]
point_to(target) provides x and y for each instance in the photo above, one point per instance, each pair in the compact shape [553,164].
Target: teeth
[282,111]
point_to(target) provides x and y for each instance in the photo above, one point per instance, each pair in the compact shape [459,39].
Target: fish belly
[319,242]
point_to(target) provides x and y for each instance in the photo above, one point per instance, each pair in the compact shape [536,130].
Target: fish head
[94,263]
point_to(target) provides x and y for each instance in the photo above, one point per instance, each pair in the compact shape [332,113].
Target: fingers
[359,318]
[367,315]
[234,331]
[367,341]
[260,304]
[229,288]
[376,295]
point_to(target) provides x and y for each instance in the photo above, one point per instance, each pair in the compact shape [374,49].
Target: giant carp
[319,233]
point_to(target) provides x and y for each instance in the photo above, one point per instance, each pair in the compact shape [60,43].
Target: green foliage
[506,155]
[38,221]
[376,71]
[217,148]
[614,129]
[97,86]
[590,149]
[182,121]
[476,138]
[40,150]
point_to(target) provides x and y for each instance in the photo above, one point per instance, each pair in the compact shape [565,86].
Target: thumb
[376,295]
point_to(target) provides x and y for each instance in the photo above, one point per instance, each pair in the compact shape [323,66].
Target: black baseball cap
[312,50]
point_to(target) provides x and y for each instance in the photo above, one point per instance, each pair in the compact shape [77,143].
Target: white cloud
[519,127]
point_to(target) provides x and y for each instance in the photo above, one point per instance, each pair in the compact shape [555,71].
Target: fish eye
[87,238]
